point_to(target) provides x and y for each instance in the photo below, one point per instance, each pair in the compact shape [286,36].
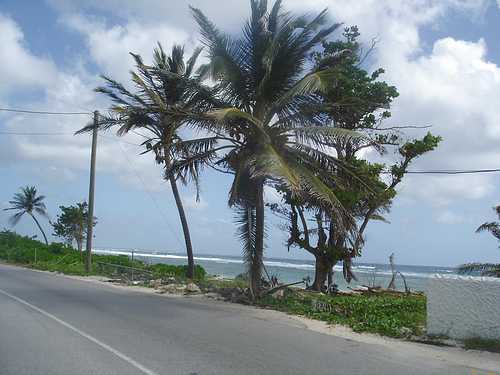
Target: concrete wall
[463,307]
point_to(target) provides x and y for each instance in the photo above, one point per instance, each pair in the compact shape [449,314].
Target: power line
[120,140]
[63,133]
[26,133]
[470,171]
[17,110]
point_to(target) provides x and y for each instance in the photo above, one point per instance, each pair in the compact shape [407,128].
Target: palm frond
[271,163]
[319,191]
[42,211]
[225,60]
[14,219]
[241,178]
[311,83]
[192,61]
[245,218]
[328,135]
[225,114]
[492,227]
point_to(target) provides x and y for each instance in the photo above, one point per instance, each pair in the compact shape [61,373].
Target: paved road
[57,325]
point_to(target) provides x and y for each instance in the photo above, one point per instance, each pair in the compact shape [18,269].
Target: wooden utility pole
[90,223]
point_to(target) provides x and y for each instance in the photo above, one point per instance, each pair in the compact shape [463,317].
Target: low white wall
[463,307]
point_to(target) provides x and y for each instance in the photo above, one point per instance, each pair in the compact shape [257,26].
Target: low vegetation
[62,258]
[477,343]
[386,314]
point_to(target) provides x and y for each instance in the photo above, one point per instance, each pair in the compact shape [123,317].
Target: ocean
[292,270]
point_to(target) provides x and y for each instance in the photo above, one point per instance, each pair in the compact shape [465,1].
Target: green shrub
[390,315]
[161,271]
[62,258]
[477,343]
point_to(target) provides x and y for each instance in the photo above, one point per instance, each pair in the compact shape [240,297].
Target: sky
[442,55]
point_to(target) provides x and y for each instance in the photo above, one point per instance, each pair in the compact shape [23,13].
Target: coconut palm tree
[168,83]
[27,202]
[266,118]
[485,269]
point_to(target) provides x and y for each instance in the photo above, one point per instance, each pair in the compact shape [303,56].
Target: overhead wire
[18,110]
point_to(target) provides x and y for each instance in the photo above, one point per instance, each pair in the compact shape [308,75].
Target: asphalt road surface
[53,325]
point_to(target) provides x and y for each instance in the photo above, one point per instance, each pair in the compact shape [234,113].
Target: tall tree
[485,269]
[71,224]
[168,83]
[29,203]
[266,116]
[359,102]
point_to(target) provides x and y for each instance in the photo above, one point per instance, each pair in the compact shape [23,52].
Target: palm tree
[265,117]
[27,202]
[485,269]
[165,85]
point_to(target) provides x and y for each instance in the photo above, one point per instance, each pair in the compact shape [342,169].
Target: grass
[388,315]
[58,257]
[214,284]
[477,343]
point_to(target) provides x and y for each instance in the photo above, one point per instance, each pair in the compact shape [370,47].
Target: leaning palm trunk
[185,227]
[41,230]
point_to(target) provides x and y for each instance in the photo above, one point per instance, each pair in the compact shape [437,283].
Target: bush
[389,315]
[161,271]
[62,258]
[477,343]
[18,249]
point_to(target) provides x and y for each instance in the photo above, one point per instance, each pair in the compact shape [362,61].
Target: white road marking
[119,354]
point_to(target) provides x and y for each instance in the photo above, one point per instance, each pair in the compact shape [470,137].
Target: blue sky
[443,55]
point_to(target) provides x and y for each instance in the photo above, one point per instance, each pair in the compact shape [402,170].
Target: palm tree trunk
[185,227]
[41,230]
[256,274]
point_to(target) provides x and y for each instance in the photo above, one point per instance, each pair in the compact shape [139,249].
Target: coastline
[293,270]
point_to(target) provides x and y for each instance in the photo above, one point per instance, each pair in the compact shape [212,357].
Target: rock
[173,288]
[155,283]
[405,331]
[212,295]
[279,294]
[192,288]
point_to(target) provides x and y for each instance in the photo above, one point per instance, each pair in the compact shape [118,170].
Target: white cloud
[174,13]
[455,90]
[109,47]
[20,69]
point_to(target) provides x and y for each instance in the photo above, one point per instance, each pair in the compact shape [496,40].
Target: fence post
[132,266]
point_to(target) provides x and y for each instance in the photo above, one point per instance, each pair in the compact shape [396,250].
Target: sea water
[293,270]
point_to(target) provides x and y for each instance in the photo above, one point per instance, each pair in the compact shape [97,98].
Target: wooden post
[90,223]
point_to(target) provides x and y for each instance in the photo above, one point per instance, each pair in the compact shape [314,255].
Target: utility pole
[90,223]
